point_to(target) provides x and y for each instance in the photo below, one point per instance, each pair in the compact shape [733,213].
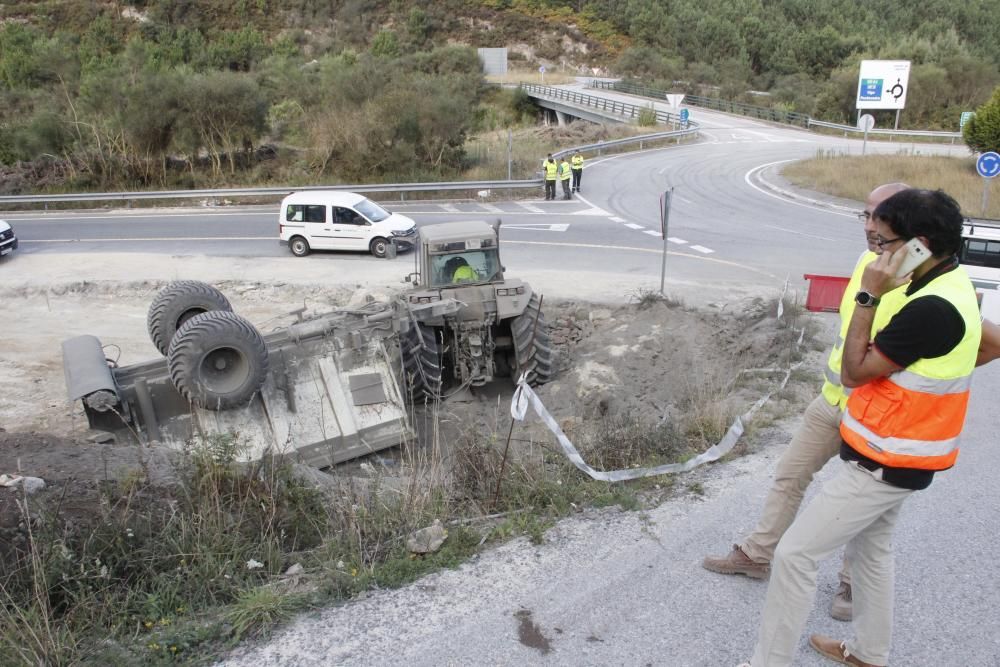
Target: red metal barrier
[825,292]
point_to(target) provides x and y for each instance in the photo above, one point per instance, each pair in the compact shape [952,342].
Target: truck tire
[177,303]
[378,247]
[217,360]
[537,359]
[421,361]
[299,246]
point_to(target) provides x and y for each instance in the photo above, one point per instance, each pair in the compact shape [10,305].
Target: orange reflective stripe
[858,443]
[888,409]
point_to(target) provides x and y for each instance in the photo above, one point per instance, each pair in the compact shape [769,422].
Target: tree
[982,132]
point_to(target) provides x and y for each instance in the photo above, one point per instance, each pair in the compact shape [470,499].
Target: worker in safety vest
[816,441]
[564,176]
[577,164]
[551,170]
[461,272]
[901,425]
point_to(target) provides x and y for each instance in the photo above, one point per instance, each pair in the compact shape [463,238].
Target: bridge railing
[764,113]
[611,106]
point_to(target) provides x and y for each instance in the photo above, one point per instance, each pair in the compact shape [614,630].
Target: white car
[335,220]
[8,242]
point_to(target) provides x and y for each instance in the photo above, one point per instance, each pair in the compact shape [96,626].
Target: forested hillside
[199,92]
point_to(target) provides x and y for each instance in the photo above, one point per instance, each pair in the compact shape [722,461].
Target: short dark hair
[929,213]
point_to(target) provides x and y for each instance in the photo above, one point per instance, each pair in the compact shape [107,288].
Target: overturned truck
[331,386]
[324,387]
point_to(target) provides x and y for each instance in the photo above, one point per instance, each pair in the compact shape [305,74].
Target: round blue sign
[988,164]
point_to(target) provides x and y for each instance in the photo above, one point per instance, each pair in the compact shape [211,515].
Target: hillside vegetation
[194,93]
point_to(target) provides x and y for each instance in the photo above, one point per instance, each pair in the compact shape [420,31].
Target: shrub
[982,132]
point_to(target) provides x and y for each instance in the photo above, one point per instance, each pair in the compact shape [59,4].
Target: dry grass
[852,177]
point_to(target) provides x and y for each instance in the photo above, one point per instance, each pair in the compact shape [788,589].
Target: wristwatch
[866,299]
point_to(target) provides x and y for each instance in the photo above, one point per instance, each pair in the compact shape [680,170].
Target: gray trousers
[855,508]
[816,442]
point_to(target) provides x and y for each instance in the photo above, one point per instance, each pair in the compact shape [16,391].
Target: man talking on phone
[816,441]
[901,425]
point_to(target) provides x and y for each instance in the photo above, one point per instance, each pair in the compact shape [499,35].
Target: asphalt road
[624,589]
[726,225]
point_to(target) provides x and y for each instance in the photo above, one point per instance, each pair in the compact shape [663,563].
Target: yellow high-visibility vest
[564,173]
[889,304]
[577,162]
[913,418]
[551,170]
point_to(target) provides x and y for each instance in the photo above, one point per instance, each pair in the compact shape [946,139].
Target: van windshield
[371,210]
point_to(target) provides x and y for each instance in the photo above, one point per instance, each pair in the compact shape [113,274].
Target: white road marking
[450,208]
[592,211]
[491,208]
[701,248]
[650,250]
[615,218]
[553,227]
[533,209]
[161,238]
[651,232]
[632,225]
[674,239]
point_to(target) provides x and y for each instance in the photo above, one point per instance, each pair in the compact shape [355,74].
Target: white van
[980,254]
[335,220]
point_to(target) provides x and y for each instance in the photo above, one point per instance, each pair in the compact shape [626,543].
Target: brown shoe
[842,607]
[737,562]
[837,651]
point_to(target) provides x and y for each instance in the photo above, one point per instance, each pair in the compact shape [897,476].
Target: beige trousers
[854,508]
[815,443]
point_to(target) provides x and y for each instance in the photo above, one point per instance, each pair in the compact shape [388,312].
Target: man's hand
[879,276]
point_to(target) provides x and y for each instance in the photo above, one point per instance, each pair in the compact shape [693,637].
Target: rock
[32,484]
[427,540]
[294,570]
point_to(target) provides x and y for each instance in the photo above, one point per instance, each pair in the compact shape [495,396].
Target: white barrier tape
[524,396]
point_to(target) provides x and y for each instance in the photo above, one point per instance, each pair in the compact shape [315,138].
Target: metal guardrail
[401,188]
[263,192]
[763,113]
[936,134]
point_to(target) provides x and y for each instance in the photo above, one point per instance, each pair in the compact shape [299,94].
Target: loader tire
[217,360]
[421,361]
[177,303]
[537,358]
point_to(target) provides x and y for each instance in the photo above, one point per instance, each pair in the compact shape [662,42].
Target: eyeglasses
[864,216]
[882,243]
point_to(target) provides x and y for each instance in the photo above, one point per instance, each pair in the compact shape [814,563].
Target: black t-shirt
[925,328]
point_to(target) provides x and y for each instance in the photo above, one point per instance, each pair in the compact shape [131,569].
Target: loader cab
[459,253]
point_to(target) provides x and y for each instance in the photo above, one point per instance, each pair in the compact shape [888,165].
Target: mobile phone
[916,254]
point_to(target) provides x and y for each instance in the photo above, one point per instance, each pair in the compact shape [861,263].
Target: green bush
[982,132]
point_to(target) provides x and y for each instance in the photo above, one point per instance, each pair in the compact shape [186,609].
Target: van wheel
[379,246]
[299,246]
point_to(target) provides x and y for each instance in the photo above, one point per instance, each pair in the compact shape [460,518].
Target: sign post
[988,166]
[664,218]
[541,70]
[882,84]
[866,122]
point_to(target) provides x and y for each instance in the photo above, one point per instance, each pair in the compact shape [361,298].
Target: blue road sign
[685,114]
[988,164]
[871,90]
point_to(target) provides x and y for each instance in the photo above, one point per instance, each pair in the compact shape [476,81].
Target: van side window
[347,216]
[305,213]
[981,252]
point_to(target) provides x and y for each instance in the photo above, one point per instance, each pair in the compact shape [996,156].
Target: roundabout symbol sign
[988,164]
